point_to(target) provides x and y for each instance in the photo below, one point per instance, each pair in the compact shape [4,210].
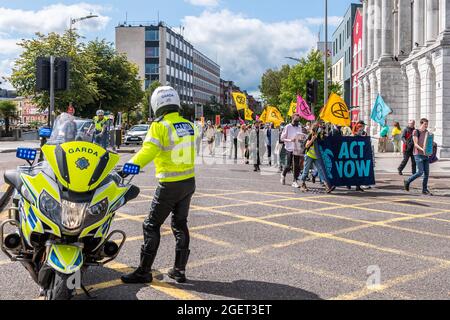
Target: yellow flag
[336,111]
[248,114]
[274,116]
[263,116]
[240,100]
[292,109]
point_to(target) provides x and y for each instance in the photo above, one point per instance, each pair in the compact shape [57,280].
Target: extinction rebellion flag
[347,161]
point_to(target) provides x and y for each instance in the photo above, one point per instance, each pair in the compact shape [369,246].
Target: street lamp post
[73,21]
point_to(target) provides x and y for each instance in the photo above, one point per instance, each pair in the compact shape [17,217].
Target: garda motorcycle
[63,208]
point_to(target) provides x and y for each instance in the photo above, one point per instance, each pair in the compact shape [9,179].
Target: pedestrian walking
[311,158]
[234,132]
[408,148]
[219,134]
[257,145]
[169,137]
[241,139]
[382,142]
[289,136]
[397,137]
[269,141]
[281,150]
[422,158]
[199,137]
[210,137]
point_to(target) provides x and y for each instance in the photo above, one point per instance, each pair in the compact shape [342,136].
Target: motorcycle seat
[12,177]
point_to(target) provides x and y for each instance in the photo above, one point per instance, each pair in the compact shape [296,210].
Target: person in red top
[225,133]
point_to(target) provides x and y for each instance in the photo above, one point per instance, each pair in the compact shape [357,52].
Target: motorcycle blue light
[45,132]
[26,154]
[131,169]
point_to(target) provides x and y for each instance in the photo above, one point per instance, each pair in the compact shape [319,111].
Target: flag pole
[325,85]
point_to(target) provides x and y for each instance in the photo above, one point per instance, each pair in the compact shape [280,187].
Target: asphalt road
[255,239]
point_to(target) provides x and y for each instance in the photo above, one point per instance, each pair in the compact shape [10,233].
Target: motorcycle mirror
[131,169]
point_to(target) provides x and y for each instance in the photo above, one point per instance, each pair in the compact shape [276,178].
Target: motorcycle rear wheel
[58,289]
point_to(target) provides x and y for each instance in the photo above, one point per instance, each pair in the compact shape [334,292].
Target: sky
[246,37]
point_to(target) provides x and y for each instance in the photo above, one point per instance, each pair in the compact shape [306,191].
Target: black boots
[143,274]
[178,272]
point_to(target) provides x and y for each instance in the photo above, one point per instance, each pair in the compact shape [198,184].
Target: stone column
[365,33]
[418,23]
[444,19]
[432,25]
[404,28]
[377,30]
[387,30]
[370,31]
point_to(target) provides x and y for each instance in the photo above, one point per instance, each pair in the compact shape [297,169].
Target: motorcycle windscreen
[80,166]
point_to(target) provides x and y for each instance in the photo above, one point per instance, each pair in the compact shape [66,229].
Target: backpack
[433,157]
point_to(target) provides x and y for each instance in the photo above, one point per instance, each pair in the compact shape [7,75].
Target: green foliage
[99,77]
[8,110]
[311,67]
[145,103]
[271,84]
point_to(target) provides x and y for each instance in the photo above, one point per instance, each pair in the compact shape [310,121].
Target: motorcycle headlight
[100,208]
[72,214]
[49,206]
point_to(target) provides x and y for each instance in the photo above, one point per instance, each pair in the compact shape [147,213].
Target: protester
[210,137]
[422,159]
[241,139]
[234,132]
[269,141]
[226,129]
[346,131]
[281,150]
[397,137]
[311,158]
[219,134]
[199,138]
[289,136]
[382,144]
[408,148]
[257,145]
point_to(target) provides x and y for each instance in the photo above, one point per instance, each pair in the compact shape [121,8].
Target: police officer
[101,126]
[170,142]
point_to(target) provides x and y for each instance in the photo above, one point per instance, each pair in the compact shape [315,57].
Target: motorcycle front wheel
[59,287]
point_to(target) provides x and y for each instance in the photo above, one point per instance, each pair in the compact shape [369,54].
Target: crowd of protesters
[292,148]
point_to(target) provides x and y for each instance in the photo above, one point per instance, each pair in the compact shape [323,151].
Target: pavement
[252,238]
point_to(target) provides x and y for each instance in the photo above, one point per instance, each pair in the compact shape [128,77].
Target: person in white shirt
[210,137]
[291,136]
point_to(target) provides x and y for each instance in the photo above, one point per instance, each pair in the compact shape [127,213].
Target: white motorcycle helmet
[165,99]
[100,113]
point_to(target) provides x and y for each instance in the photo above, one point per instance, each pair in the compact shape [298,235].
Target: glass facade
[152,52]
[152,68]
[152,35]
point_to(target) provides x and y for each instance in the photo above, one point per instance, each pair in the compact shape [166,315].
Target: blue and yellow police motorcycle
[63,208]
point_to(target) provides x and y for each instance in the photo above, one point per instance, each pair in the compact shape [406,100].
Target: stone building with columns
[406,59]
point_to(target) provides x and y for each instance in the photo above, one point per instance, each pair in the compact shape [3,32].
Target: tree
[8,110]
[271,84]
[99,77]
[83,89]
[116,79]
[311,67]
[145,103]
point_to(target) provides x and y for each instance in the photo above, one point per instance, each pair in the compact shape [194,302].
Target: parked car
[136,134]
[85,130]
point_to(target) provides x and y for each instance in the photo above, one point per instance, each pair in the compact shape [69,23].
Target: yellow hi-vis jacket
[170,142]
[99,124]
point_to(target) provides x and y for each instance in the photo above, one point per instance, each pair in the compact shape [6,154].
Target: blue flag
[380,111]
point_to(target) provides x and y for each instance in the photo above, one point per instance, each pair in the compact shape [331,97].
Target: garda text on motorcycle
[63,208]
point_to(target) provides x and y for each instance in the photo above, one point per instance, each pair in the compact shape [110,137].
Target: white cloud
[203,3]
[5,71]
[9,46]
[333,21]
[246,47]
[51,18]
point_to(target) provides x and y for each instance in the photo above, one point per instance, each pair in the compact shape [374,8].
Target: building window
[152,35]
[152,52]
[152,68]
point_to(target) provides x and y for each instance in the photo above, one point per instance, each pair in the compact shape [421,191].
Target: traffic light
[311,91]
[42,74]
[62,74]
